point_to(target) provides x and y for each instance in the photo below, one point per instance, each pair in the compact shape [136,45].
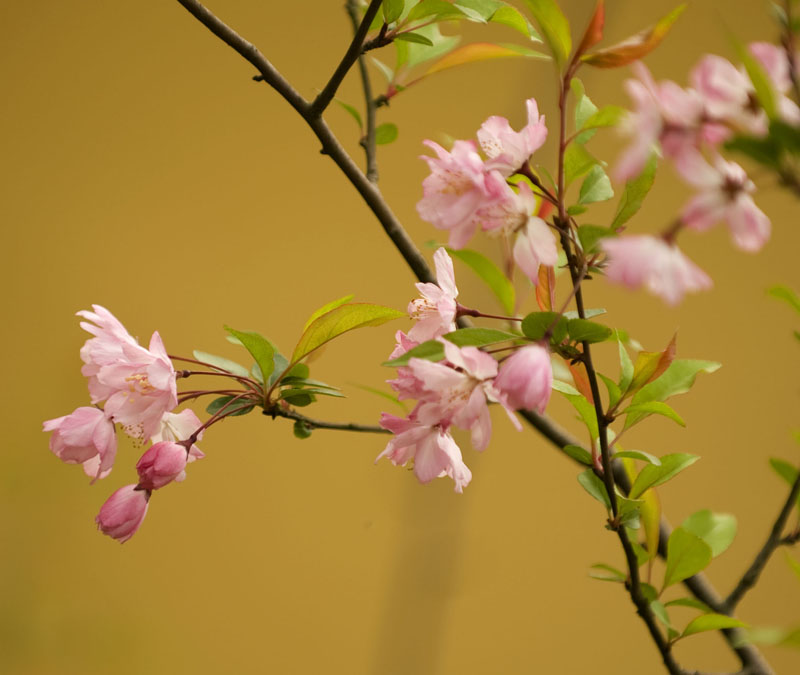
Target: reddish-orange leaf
[635,47]
[546,288]
[667,357]
[545,207]
[594,31]
[581,378]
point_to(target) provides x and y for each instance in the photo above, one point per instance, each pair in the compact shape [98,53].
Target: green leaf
[660,612]
[300,400]
[785,471]
[687,555]
[576,210]
[301,429]
[758,77]
[596,187]
[333,304]
[694,603]
[787,295]
[712,621]
[352,112]
[716,529]
[292,392]
[392,9]
[607,573]
[439,9]
[241,407]
[585,411]
[433,350]
[281,363]
[491,275]
[386,133]
[595,487]
[577,161]
[259,347]
[482,10]
[793,564]
[584,108]
[614,393]
[418,53]
[625,367]
[481,51]
[554,27]
[607,116]
[414,37]
[341,320]
[388,73]
[628,511]
[636,413]
[221,362]
[653,475]
[581,330]
[634,193]
[535,325]
[578,453]
[587,313]
[511,17]
[638,454]
[765,151]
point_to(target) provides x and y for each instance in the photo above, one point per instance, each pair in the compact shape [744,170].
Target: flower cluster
[137,388]
[688,125]
[456,391]
[464,191]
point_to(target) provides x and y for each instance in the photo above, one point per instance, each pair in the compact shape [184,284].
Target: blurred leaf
[595,487]
[578,453]
[650,366]
[687,555]
[660,612]
[417,53]
[481,51]
[352,112]
[392,9]
[594,31]
[546,288]
[596,187]
[638,454]
[614,394]
[793,564]
[694,603]
[511,17]
[340,320]
[301,429]
[605,572]
[240,407]
[787,295]
[636,46]
[587,313]
[581,330]
[385,133]
[716,529]
[388,73]
[221,362]
[628,511]
[634,193]
[414,37]
[712,621]
[259,347]
[765,151]
[438,9]
[651,520]
[490,274]
[636,413]
[607,116]
[553,26]
[383,394]
[625,367]
[577,161]
[758,77]
[653,475]
[300,400]
[785,471]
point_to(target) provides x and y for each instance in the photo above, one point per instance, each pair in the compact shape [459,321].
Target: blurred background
[145,171]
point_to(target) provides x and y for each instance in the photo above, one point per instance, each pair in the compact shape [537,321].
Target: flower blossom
[457,187]
[506,149]
[86,437]
[431,447]
[164,462]
[123,512]
[526,378]
[724,196]
[650,261]
[137,384]
[435,311]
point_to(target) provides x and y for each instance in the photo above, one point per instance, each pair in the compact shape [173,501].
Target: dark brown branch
[320,424]
[350,57]
[774,540]
[368,141]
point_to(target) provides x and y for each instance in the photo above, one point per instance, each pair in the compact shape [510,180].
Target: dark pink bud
[161,464]
[123,513]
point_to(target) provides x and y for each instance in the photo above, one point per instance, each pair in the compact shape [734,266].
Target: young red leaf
[594,31]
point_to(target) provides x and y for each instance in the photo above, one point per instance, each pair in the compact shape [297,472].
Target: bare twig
[368,141]
[276,411]
[774,540]
[350,57]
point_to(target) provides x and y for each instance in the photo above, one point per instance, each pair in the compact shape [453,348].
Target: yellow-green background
[142,169]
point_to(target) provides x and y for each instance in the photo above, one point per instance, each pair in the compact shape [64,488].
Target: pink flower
[535,246]
[161,464]
[456,188]
[431,447]
[84,437]
[725,196]
[526,379]
[435,311]
[776,64]
[644,260]
[180,427]
[123,513]
[138,383]
[726,92]
[507,149]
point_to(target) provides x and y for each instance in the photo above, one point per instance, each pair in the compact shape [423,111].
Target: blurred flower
[122,514]
[86,437]
[660,266]
[526,379]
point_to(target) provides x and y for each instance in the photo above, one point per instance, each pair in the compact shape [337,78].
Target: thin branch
[325,97]
[368,141]
[319,424]
[774,540]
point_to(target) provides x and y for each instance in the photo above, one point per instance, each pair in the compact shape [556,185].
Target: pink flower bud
[123,513]
[84,437]
[526,379]
[161,464]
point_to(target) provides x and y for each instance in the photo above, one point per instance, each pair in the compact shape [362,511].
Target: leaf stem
[276,411]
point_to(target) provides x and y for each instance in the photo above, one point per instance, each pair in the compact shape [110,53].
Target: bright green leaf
[635,191]
[385,133]
[392,9]
[694,603]
[653,475]
[414,37]
[585,410]
[595,487]
[577,161]
[596,187]
[638,454]
[687,555]
[221,362]
[352,112]
[333,304]
[259,347]
[607,116]
[491,275]
[605,572]
[554,27]
[510,16]
[340,320]
[712,621]
[785,471]
[625,367]
[578,453]
[581,330]
[716,529]
[677,379]
[787,295]
[614,393]
[636,413]
[660,613]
